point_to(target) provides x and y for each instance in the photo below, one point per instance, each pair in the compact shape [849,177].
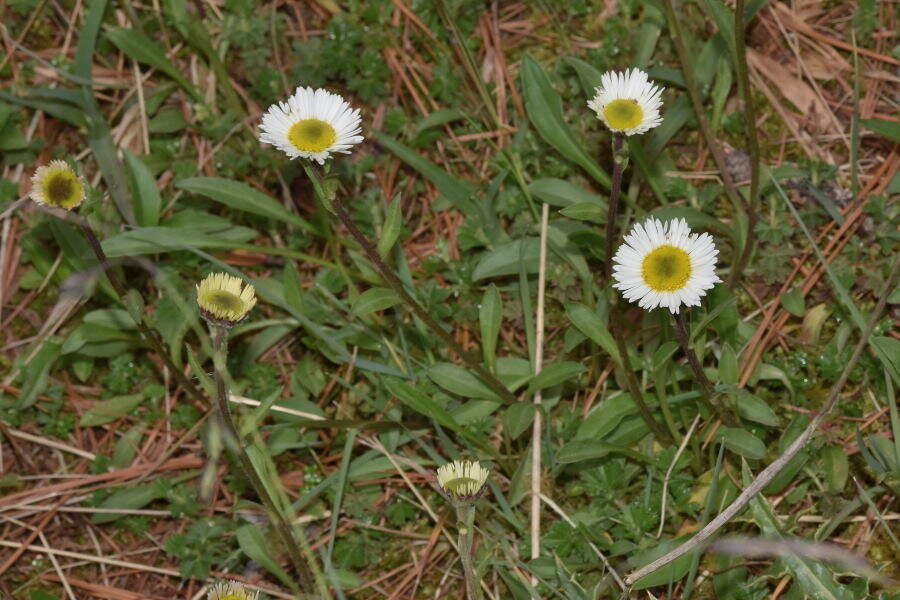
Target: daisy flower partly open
[627,102]
[230,590]
[56,184]
[311,124]
[463,480]
[664,264]
[224,299]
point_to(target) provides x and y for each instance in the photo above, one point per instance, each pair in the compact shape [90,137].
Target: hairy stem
[620,159]
[709,391]
[232,438]
[743,81]
[465,514]
[150,335]
[391,279]
[634,389]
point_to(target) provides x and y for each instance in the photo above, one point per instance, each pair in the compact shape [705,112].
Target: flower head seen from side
[224,299]
[57,184]
[230,590]
[313,124]
[664,264]
[627,102]
[463,480]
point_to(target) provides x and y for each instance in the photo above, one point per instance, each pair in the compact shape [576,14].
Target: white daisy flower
[463,480]
[627,102]
[312,124]
[664,264]
[225,299]
[56,184]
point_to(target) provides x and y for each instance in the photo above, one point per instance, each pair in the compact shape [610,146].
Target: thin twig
[538,365]
[769,473]
[684,443]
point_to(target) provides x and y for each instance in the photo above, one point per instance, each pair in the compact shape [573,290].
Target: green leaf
[110,410]
[742,442]
[544,108]
[459,381]
[148,200]
[35,375]
[755,409]
[554,374]
[490,316]
[253,543]
[579,450]
[129,498]
[141,48]
[391,230]
[606,417]
[241,196]
[421,403]
[561,193]
[887,129]
[793,302]
[590,324]
[728,365]
[836,467]
[889,350]
[374,299]
[154,240]
[585,211]
[504,260]
[517,418]
[458,192]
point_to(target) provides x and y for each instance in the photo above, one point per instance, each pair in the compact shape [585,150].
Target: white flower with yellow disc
[313,124]
[230,590]
[463,480]
[224,299]
[56,184]
[664,264]
[627,102]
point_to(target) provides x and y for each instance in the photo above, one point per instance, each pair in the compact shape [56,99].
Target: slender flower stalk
[232,439]
[620,161]
[391,278]
[709,392]
[151,336]
[464,482]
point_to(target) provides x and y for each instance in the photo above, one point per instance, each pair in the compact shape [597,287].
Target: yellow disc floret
[56,184]
[623,114]
[666,269]
[312,135]
[225,299]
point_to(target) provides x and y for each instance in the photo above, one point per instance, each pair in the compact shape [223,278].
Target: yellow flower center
[666,269]
[312,135]
[63,189]
[225,302]
[623,114]
[463,486]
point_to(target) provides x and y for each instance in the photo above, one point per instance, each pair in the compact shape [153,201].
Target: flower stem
[634,389]
[232,438]
[709,392]
[743,81]
[620,160]
[391,279]
[150,335]
[465,514]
